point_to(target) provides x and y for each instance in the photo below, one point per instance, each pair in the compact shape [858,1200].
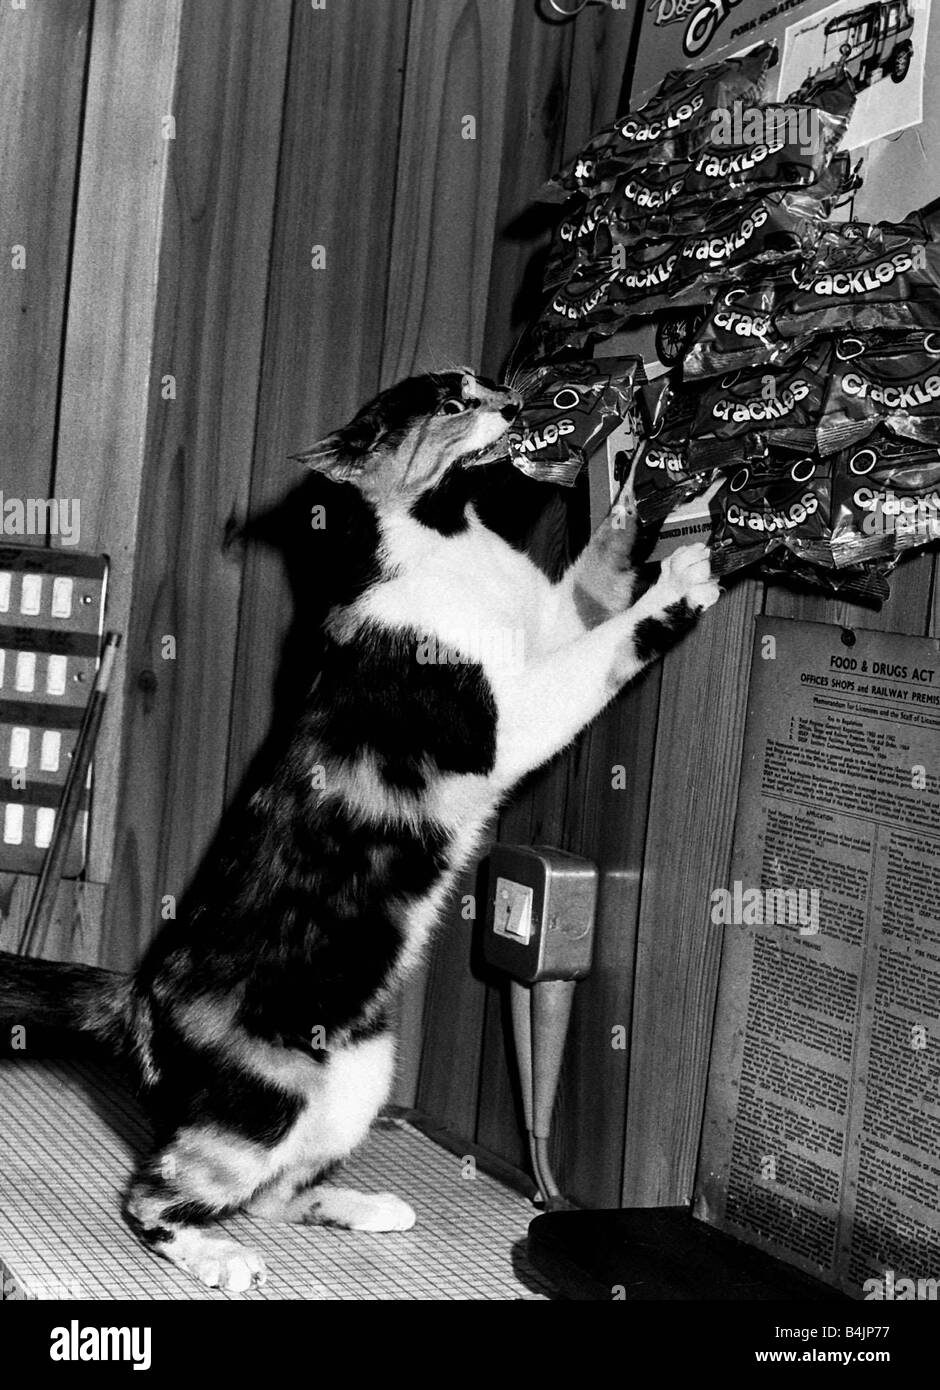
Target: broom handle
[47,886]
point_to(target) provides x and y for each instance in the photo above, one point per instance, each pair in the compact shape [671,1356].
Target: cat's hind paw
[358,1211]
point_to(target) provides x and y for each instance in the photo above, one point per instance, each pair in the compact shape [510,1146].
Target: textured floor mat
[69,1134]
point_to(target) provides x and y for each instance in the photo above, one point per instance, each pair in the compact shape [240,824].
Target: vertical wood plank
[450,143]
[74,932]
[448,1018]
[539,60]
[109,334]
[42,61]
[691,820]
[207,334]
[607,823]
[602,41]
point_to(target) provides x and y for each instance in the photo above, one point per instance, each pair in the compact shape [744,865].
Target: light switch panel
[539,921]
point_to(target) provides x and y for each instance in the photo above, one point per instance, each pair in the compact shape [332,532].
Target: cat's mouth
[488,453]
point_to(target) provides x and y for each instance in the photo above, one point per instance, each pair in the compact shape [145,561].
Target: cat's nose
[509,412]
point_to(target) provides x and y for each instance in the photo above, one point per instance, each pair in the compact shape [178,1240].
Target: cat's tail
[47,1001]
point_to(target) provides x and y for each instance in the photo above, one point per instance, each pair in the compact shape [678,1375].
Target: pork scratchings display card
[822,1128]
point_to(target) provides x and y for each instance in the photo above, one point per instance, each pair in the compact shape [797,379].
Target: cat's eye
[453,406]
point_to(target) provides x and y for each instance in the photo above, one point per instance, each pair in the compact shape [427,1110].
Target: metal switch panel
[51,621]
[539,921]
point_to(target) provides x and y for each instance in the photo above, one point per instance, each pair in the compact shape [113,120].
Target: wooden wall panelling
[74,931]
[606,823]
[602,46]
[447,185]
[539,59]
[43,49]
[218,218]
[115,246]
[442,1027]
[324,327]
[691,819]
[906,609]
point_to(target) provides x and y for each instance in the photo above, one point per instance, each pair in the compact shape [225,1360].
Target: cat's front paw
[686,577]
[219,1263]
[684,589]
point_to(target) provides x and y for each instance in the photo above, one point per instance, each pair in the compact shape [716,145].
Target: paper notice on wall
[881,46]
[822,1130]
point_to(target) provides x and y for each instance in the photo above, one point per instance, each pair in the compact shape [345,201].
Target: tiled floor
[68,1135]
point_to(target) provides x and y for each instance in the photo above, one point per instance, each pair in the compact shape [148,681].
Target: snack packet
[866,277]
[788,398]
[600,296]
[670,126]
[762,231]
[574,240]
[885,498]
[740,330]
[570,409]
[751,520]
[772,146]
[646,192]
[889,379]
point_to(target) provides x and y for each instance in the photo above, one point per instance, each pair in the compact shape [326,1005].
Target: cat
[257,1025]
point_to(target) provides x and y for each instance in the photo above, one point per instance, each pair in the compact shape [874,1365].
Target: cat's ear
[343,454]
[330,456]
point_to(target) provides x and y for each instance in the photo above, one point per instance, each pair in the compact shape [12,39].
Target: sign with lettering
[822,1129]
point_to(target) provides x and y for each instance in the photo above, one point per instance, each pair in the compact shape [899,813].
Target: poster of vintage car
[886,46]
[881,46]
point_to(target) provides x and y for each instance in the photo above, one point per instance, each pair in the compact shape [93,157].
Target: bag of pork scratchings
[570,409]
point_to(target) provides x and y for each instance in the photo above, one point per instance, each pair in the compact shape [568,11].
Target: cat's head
[405,441]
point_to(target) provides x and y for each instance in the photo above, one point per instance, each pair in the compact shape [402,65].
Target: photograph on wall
[881,46]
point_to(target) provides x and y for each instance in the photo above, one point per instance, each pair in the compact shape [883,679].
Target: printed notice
[822,1131]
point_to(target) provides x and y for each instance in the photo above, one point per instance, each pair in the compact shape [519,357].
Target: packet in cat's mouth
[570,409]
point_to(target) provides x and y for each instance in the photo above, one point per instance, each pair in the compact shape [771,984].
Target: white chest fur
[471,596]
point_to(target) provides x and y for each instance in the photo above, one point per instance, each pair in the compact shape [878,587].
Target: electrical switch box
[539,920]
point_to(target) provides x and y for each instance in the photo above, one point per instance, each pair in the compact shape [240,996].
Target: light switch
[539,919]
[512,915]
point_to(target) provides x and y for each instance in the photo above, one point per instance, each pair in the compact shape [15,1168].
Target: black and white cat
[452,667]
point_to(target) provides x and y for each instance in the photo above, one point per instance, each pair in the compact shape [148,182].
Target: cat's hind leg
[195,1180]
